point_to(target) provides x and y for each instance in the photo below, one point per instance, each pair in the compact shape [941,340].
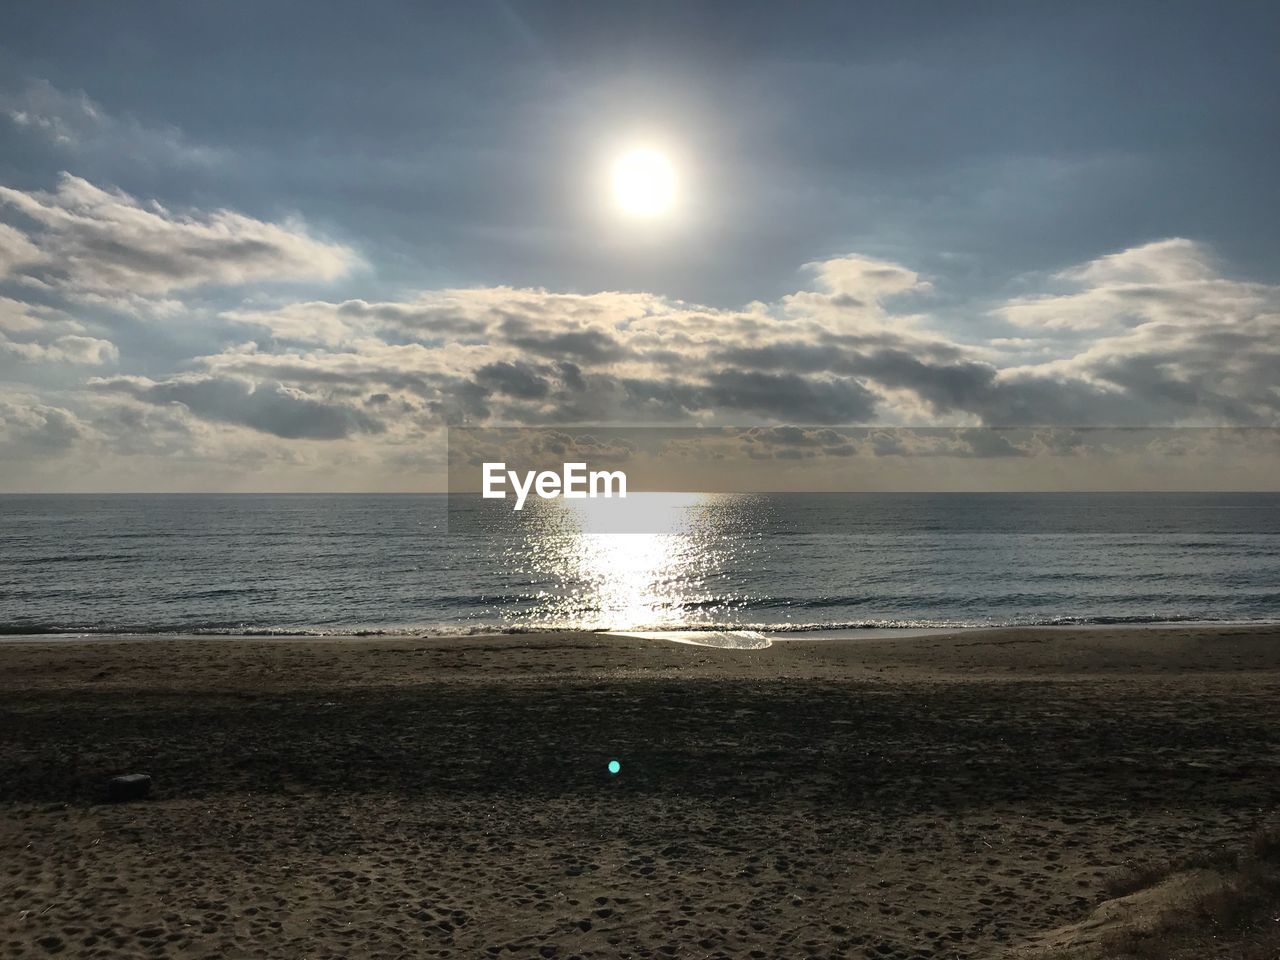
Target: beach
[954,795]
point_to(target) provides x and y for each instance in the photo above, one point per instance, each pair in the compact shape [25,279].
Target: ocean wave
[27,628]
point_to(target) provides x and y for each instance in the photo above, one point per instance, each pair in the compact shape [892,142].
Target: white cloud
[865,279]
[15,250]
[19,317]
[1182,343]
[89,351]
[29,426]
[44,335]
[1176,260]
[99,240]
[1169,280]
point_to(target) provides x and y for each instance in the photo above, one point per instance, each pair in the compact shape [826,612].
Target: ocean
[392,564]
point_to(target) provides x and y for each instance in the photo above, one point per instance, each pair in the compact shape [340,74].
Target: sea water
[769,562]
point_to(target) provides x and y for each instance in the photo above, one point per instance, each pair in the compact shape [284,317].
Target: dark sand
[943,797]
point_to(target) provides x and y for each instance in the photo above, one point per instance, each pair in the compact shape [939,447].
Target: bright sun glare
[644,183]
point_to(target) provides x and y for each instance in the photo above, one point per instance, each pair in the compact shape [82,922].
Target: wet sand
[943,796]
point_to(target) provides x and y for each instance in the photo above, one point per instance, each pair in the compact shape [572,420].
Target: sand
[944,796]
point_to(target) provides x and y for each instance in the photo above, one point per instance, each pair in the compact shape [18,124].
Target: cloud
[44,335]
[1172,261]
[588,346]
[19,317]
[941,376]
[817,356]
[1169,340]
[536,356]
[513,380]
[857,281]
[1182,343]
[30,427]
[970,442]
[93,239]
[69,349]
[533,320]
[790,396]
[1172,280]
[853,291]
[541,448]
[74,123]
[269,408]
[431,317]
[15,250]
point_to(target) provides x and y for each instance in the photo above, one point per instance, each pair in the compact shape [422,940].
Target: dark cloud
[517,380]
[946,386]
[987,443]
[580,346]
[793,355]
[461,401]
[269,408]
[787,396]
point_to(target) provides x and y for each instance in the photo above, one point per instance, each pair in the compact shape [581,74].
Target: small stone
[131,786]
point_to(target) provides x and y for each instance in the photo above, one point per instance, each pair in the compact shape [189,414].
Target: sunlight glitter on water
[594,579]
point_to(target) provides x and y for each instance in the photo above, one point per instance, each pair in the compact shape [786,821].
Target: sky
[282,246]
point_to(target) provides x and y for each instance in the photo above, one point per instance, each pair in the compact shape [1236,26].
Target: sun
[644,183]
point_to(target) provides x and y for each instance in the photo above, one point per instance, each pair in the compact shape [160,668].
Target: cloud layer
[1155,334]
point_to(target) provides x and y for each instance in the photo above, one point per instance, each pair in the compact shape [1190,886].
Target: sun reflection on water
[587,569]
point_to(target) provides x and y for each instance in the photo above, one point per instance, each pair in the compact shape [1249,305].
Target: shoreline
[795,633]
